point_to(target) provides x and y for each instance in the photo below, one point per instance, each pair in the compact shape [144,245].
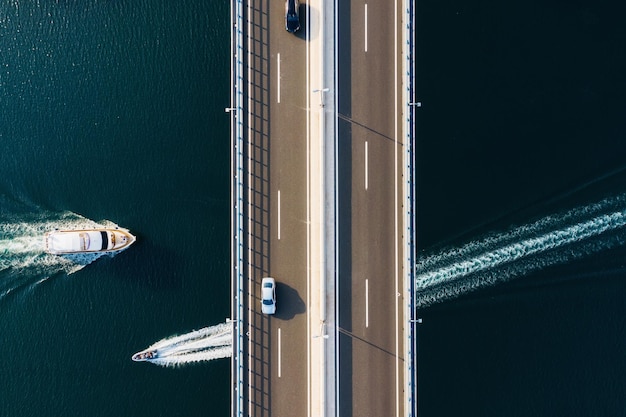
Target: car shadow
[305,11]
[288,302]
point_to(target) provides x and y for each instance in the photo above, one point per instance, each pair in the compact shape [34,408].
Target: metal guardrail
[237,204]
[411,105]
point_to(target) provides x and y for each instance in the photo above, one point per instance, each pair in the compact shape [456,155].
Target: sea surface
[113,112]
[521,181]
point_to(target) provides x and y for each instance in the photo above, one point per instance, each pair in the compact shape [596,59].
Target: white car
[268,295]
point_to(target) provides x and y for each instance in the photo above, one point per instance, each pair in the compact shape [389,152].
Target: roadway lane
[276,379]
[288,257]
[370,159]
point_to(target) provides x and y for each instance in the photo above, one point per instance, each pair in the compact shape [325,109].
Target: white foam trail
[22,244]
[194,357]
[206,344]
[528,247]
[542,226]
[23,260]
[518,252]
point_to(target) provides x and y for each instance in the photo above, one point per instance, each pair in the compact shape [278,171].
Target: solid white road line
[278,214]
[278,80]
[308,214]
[279,356]
[367,304]
[366,167]
[365,27]
[395,211]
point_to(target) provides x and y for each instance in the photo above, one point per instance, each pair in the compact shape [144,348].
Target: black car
[292,16]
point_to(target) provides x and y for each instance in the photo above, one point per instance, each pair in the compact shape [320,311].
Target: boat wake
[553,240]
[23,260]
[206,344]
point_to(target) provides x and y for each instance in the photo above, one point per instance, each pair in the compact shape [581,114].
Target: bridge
[323,200]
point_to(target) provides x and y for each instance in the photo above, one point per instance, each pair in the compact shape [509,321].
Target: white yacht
[97,240]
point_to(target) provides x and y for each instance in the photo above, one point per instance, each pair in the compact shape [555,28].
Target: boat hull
[97,240]
[145,355]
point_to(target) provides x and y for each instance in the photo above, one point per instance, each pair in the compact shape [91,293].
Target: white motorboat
[145,355]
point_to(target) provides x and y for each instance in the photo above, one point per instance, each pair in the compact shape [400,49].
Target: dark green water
[114,110]
[523,118]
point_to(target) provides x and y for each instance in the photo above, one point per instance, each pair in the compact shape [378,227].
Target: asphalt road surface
[277,211]
[369,177]
[371,374]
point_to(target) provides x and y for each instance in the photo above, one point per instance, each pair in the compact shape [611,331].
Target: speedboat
[97,240]
[145,355]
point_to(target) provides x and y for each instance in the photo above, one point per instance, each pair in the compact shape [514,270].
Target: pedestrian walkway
[321,189]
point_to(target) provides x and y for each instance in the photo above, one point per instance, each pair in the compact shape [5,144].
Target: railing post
[237,204]
[410,107]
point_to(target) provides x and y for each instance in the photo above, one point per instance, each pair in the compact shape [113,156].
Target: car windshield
[267,302]
[267,285]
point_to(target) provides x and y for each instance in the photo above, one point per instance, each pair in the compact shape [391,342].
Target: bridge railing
[237,204]
[411,106]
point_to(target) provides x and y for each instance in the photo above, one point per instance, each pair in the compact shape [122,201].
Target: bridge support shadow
[257,209]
